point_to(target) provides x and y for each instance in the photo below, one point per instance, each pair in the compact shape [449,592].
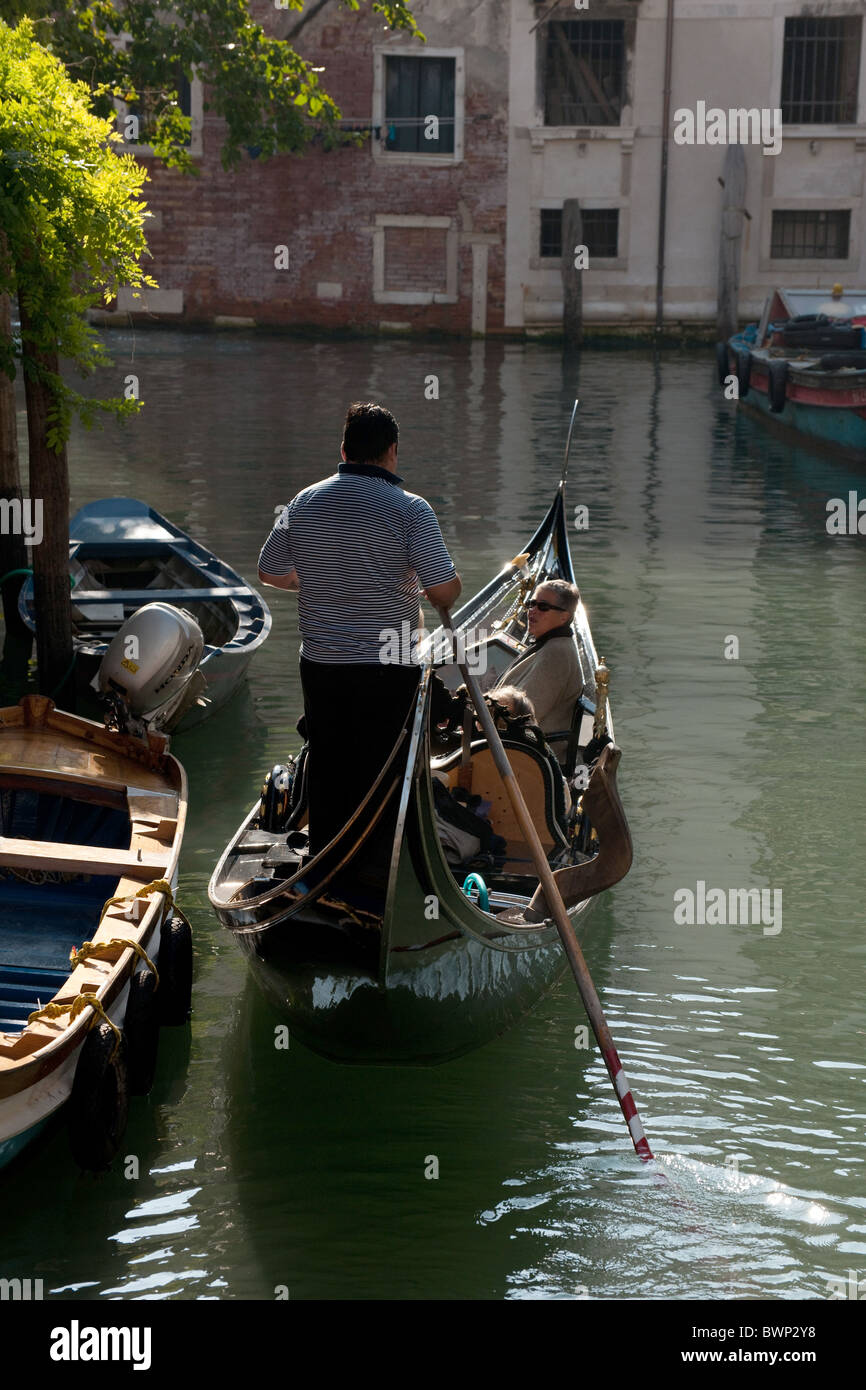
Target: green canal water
[745,1043]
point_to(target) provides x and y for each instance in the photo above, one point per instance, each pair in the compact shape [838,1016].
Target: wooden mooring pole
[572,284]
[730,241]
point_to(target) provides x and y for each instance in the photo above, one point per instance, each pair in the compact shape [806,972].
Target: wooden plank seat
[85,859]
[51,782]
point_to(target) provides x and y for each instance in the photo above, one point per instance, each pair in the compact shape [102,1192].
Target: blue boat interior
[124,554]
[44,914]
[133,572]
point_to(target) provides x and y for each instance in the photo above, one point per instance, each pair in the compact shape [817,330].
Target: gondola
[91,825]
[431,971]
[124,554]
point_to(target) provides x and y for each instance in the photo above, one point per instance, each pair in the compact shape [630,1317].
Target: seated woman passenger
[549,672]
[518,705]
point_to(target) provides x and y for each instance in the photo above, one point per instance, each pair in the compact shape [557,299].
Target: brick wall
[216,236]
[415,259]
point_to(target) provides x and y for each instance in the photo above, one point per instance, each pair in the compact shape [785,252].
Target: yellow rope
[101,950]
[348,911]
[159,885]
[354,913]
[74,1008]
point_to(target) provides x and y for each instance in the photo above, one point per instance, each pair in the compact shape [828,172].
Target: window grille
[584,70]
[600,232]
[820,70]
[811,235]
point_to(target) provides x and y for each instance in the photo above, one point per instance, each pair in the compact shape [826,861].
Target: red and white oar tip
[629,1109]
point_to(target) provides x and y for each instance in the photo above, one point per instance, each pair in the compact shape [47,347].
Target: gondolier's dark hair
[369,432]
[568,594]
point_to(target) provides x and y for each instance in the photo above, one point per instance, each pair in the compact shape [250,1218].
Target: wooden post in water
[572,284]
[730,239]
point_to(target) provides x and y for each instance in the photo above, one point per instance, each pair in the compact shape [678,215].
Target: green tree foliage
[140,51]
[71,218]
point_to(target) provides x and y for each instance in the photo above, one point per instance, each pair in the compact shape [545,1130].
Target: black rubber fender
[723,367]
[835,361]
[174,964]
[99,1103]
[141,1027]
[744,371]
[777,385]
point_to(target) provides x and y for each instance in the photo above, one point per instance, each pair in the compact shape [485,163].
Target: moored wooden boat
[86,815]
[124,554]
[804,371]
[428,972]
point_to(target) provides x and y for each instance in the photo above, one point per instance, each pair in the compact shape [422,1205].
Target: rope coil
[73,1009]
[102,950]
[159,885]
[98,950]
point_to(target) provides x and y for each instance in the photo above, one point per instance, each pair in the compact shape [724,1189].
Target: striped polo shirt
[363,550]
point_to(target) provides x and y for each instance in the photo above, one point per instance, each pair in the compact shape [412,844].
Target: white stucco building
[586,115]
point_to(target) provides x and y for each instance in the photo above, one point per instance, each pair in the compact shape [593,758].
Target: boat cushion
[542,789]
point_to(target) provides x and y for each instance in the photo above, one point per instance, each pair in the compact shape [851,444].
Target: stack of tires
[107,1074]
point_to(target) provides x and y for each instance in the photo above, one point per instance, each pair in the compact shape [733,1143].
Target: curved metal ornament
[416,742]
[564,473]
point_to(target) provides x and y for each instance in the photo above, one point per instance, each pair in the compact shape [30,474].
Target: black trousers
[354,714]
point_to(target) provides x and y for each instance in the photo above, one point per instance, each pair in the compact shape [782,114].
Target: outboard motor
[149,676]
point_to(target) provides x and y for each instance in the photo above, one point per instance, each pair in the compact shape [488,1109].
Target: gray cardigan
[550,675]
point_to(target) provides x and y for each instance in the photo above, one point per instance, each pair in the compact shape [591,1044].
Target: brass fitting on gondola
[602,684]
[528,582]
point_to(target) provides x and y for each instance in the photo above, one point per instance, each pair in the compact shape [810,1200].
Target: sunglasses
[545,607]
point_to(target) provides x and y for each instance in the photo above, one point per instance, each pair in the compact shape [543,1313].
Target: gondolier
[359,550]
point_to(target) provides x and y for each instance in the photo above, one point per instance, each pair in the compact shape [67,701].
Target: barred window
[600,232]
[415,89]
[811,235]
[584,72]
[820,70]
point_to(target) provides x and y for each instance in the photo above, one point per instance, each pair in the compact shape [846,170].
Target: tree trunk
[49,485]
[572,284]
[734,178]
[13,552]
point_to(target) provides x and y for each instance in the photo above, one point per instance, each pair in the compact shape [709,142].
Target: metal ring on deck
[476,881]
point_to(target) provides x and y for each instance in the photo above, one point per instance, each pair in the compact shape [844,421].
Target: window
[417,89]
[820,69]
[811,235]
[414,259]
[600,232]
[551,233]
[584,67]
[145,117]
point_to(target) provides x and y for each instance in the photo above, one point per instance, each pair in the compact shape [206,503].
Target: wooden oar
[579,969]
